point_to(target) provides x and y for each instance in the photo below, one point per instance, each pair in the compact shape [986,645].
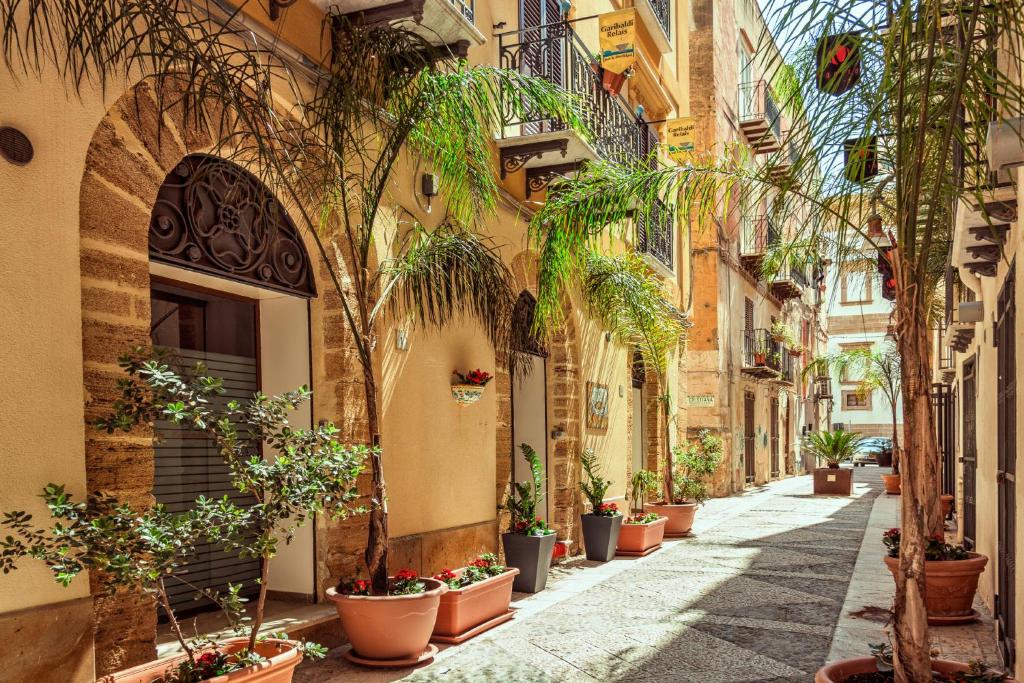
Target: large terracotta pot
[389,627]
[532,556]
[469,611]
[892,483]
[833,481]
[950,586]
[837,672]
[947,504]
[680,517]
[282,658]
[641,539]
[600,536]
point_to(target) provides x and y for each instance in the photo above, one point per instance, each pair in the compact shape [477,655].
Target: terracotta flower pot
[469,611]
[600,536]
[612,82]
[282,658]
[389,627]
[833,481]
[680,516]
[838,672]
[532,556]
[892,483]
[641,539]
[947,504]
[950,586]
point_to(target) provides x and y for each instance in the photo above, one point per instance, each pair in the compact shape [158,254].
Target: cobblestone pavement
[753,596]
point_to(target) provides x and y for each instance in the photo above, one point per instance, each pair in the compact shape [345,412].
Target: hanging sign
[838,63]
[680,137]
[617,32]
[860,159]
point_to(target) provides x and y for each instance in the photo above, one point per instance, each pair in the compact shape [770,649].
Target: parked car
[873,449]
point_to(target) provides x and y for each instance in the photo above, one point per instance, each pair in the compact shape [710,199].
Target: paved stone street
[754,595]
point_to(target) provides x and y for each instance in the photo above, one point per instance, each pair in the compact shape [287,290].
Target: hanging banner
[680,138]
[617,32]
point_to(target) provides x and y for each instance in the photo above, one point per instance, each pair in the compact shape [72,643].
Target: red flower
[521,525]
[207,659]
[608,507]
[445,575]
[891,533]
[406,575]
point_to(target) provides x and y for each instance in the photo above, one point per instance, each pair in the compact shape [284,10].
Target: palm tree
[926,81]
[874,370]
[387,93]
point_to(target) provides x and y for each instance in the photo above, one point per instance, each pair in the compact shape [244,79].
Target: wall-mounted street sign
[702,400]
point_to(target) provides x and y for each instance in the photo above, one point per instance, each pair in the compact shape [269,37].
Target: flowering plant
[537,527]
[206,665]
[607,510]
[477,378]
[937,549]
[483,567]
[407,582]
[354,587]
[645,518]
[595,485]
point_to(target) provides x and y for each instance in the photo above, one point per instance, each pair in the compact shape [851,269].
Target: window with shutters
[748,314]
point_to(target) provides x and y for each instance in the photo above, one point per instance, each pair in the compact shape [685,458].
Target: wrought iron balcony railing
[761,351]
[654,233]
[663,11]
[758,236]
[792,270]
[756,104]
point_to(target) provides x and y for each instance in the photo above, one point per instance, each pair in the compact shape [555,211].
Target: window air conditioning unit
[969,312]
[1004,144]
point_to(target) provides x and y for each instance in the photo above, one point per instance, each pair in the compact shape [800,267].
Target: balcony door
[774,422]
[1006,475]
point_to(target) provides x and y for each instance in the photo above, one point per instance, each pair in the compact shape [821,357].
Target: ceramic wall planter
[892,483]
[531,555]
[469,611]
[829,481]
[282,658]
[600,536]
[390,630]
[637,540]
[838,672]
[680,517]
[467,394]
[950,586]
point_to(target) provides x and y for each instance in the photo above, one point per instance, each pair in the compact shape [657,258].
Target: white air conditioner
[969,312]
[1004,144]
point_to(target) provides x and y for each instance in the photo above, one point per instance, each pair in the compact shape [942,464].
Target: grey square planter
[600,534]
[531,555]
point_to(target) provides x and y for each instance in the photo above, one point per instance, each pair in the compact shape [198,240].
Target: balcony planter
[467,394]
[637,540]
[469,611]
[600,536]
[950,586]
[390,630]
[892,483]
[947,504]
[282,658]
[760,359]
[531,555]
[679,517]
[838,672]
[833,481]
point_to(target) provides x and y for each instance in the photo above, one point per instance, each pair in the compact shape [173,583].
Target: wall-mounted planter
[469,611]
[531,555]
[637,540]
[467,394]
[600,536]
[282,657]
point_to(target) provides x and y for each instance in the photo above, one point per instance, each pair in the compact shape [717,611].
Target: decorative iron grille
[663,13]
[654,233]
[466,7]
[761,351]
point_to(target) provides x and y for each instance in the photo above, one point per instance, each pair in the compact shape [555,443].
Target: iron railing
[792,271]
[663,12]
[466,7]
[654,233]
[757,103]
[944,419]
[761,351]
[758,234]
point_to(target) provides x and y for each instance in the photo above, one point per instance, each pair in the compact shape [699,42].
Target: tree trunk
[895,441]
[669,475]
[376,555]
[920,516]
[261,602]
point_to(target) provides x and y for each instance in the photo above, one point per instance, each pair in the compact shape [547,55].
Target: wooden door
[969,449]
[1006,474]
[748,436]
[774,427]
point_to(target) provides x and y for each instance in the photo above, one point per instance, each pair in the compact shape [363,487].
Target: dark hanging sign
[860,159]
[838,62]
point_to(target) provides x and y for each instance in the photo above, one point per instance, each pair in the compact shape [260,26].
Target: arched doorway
[229,287]
[529,396]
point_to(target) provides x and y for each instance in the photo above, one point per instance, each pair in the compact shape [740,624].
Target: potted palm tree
[148,549]
[602,524]
[695,463]
[832,448]
[529,542]
[643,532]
[478,599]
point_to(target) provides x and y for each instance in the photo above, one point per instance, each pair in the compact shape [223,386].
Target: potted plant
[602,524]
[478,599]
[146,549]
[880,666]
[760,354]
[694,465]
[781,333]
[642,532]
[529,542]
[797,350]
[950,575]
[469,387]
[832,448]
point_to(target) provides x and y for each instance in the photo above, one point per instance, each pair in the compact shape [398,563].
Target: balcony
[759,235]
[764,357]
[785,164]
[759,117]
[657,16]
[654,236]
[440,22]
[790,280]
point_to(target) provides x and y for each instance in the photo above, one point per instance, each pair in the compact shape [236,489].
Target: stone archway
[564,398]
[133,149]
